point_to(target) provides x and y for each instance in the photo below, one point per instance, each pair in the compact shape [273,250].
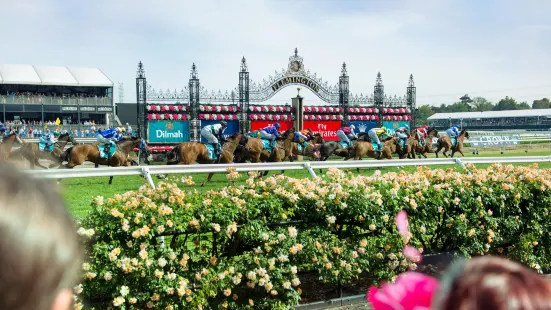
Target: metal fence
[147,171]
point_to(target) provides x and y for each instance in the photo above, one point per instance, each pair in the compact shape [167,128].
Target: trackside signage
[168,131]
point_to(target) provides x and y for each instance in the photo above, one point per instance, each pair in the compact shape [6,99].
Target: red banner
[327,129]
[261,124]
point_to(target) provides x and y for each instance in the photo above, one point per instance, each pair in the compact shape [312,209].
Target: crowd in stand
[50,94]
[32,129]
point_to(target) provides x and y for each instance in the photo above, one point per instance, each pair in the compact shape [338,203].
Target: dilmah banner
[168,131]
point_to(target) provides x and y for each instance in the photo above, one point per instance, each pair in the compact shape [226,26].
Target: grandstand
[537,119]
[38,95]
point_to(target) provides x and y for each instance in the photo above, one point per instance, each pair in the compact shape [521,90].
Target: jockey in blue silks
[109,136]
[453,131]
[270,133]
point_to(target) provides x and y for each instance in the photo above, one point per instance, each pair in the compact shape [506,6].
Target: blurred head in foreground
[39,248]
[492,283]
[483,283]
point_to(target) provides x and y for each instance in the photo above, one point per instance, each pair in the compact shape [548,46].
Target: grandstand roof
[492,114]
[58,76]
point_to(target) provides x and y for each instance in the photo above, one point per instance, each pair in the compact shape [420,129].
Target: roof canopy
[58,76]
[493,114]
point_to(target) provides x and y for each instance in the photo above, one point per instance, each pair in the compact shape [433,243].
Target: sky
[490,48]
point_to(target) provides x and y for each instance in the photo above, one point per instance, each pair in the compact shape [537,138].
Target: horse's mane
[235,135]
[8,136]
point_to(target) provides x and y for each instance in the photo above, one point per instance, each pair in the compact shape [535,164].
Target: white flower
[331,219]
[281,237]
[124,290]
[221,276]
[295,282]
[216,227]
[294,269]
[118,301]
[287,285]
[162,262]
[78,289]
[292,232]
[283,258]
[85,266]
[251,275]
[265,236]
[236,280]
[107,276]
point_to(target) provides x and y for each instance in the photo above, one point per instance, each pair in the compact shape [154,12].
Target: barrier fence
[147,171]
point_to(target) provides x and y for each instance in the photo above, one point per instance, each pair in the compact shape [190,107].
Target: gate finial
[296,51]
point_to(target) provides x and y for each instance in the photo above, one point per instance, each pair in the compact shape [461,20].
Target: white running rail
[147,171]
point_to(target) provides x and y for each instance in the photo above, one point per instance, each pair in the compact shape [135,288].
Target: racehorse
[32,153]
[7,144]
[76,155]
[365,148]
[419,150]
[187,153]
[446,143]
[311,149]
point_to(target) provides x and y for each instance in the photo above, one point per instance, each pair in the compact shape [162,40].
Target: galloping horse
[32,153]
[311,149]
[189,152]
[446,143]
[365,148]
[7,144]
[419,150]
[78,154]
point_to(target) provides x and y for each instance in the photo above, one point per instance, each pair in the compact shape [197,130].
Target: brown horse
[7,144]
[418,149]
[78,154]
[32,153]
[311,149]
[365,148]
[404,151]
[446,143]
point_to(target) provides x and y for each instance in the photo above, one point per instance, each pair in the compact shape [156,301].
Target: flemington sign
[296,80]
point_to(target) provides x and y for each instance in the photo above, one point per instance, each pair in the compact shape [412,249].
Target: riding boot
[216,149]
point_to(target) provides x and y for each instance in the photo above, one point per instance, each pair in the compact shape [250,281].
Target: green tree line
[479,104]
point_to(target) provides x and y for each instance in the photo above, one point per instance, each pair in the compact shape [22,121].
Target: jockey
[453,131]
[345,134]
[270,132]
[422,134]
[402,133]
[108,136]
[305,134]
[47,139]
[213,133]
[374,134]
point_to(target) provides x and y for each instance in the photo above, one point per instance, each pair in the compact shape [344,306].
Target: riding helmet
[276,125]
[224,123]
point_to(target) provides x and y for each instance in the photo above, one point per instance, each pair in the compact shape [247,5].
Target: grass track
[79,192]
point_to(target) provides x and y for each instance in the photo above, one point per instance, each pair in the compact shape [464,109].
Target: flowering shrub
[246,246]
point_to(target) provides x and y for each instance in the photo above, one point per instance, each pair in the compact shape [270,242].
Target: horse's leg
[110,180]
[208,179]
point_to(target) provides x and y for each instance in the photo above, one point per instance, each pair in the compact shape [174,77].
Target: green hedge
[246,246]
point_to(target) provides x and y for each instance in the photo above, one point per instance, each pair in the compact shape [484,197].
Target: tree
[506,104]
[423,113]
[524,106]
[480,104]
[541,104]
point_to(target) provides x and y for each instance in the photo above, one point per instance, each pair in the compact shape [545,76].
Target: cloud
[451,47]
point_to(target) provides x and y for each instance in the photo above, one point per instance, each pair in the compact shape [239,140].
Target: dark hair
[40,251]
[492,283]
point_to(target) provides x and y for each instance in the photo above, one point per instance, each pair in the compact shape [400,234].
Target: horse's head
[432,131]
[236,136]
[464,132]
[318,139]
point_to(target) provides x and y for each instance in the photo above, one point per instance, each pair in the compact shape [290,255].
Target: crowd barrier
[147,171]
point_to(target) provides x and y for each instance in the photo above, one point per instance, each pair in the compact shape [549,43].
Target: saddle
[267,145]
[345,145]
[454,141]
[254,134]
[107,151]
[375,147]
[211,151]
[43,147]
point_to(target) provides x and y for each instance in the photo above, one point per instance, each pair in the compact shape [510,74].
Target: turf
[79,192]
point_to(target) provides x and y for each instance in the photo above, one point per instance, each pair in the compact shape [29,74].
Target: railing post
[312,172]
[147,175]
[460,163]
